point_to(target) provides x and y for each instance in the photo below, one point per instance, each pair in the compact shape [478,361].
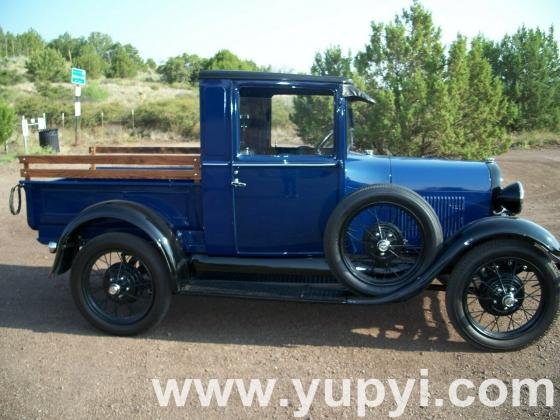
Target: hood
[441,175]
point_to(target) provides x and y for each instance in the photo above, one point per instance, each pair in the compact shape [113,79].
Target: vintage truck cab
[307,214]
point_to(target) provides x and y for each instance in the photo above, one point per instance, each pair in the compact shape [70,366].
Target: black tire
[145,277]
[482,275]
[373,280]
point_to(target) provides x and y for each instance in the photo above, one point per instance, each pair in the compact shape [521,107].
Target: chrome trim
[52,247]
[286,164]
[215,163]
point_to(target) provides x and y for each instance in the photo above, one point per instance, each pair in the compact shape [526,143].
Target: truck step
[327,292]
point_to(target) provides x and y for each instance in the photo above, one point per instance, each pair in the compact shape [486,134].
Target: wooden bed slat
[112,173]
[123,159]
[144,149]
[160,163]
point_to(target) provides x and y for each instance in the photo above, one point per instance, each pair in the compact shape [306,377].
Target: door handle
[237,183]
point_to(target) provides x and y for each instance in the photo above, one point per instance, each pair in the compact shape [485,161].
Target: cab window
[280,123]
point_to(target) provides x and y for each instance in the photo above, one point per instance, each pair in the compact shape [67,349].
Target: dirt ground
[53,364]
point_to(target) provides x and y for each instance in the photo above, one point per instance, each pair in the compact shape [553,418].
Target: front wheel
[503,295]
[120,284]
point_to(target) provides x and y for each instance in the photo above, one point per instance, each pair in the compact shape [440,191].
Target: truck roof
[262,75]
[349,90]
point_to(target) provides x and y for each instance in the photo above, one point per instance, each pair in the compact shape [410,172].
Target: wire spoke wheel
[504,297]
[119,287]
[382,244]
[120,283]
[380,238]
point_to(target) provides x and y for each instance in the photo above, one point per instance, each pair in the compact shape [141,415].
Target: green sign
[78,76]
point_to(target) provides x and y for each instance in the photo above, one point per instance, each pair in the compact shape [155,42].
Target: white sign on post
[41,123]
[78,91]
[77,109]
[24,127]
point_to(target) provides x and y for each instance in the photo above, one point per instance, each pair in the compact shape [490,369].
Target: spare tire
[380,238]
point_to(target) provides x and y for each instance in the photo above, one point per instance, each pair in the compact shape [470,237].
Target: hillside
[156,107]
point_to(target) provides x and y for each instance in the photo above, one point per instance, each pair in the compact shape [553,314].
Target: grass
[95,93]
[536,138]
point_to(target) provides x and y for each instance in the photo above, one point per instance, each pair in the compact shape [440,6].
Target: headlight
[509,198]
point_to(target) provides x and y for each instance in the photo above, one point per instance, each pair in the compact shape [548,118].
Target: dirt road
[54,365]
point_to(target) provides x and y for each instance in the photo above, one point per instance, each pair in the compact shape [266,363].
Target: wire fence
[96,128]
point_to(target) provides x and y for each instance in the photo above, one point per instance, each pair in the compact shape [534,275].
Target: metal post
[133,120]
[102,126]
[77,114]
[25,133]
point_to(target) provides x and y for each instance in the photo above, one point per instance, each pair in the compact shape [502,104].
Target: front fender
[137,215]
[504,226]
[488,228]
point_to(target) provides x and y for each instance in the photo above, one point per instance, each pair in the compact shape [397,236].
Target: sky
[284,34]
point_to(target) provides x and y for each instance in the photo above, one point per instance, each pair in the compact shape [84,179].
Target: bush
[47,65]
[10,77]
[179,115]
[113,112]
[94,92]
[7,122]
[54,92]
[35,106]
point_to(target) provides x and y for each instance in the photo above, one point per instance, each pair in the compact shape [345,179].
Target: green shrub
[54,92]
[7,122]
[35,106]
[10,77]
[179,115]
[47,65]
[94,92]
[113,113]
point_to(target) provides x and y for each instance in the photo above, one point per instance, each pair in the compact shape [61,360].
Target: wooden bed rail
[95,150]
[130,166]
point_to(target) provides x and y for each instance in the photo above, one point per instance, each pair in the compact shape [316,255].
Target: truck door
[286,175]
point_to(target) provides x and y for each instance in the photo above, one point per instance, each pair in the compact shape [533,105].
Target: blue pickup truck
[306,215]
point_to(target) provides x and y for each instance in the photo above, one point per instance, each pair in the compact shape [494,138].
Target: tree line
[100,56]
[463,101]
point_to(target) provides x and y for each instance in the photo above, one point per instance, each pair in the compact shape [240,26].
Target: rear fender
[137,215]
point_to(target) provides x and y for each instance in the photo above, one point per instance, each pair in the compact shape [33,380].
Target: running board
[329,292]
[298,266]
[301,292]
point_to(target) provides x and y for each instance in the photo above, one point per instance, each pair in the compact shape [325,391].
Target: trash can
[49,138]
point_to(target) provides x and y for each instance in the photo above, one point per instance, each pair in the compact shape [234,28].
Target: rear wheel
[120,284]
[503,295]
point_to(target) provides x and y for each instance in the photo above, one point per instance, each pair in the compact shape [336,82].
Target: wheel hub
[114,289]
[121,282]
[380,239]
[383,245]
[502,295]
[509,300]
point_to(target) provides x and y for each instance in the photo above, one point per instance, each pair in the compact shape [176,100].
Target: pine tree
[47,65]
[528,62]
[404,64]
[89,60]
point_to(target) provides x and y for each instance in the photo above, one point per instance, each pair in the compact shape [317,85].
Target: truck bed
[167,182]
